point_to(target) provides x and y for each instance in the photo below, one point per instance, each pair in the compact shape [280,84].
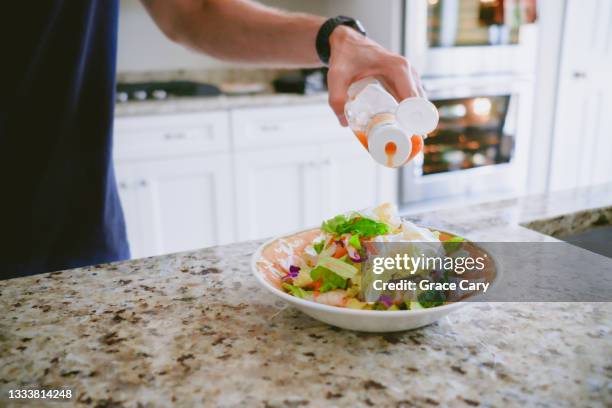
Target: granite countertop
[202,104]
[211,103]
[195,329]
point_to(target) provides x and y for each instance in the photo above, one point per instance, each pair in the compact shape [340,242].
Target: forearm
[244,31]
[239,30]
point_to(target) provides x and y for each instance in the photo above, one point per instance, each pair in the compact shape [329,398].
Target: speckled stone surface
[188,105]
[564,225]
[194,329]
[216,77]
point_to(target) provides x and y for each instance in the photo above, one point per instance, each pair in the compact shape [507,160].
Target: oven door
[479,147]
[469,37]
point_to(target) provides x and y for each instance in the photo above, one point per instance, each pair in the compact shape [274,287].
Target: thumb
[337,86]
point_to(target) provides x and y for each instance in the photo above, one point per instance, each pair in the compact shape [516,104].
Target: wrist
[340,35]
[334,32]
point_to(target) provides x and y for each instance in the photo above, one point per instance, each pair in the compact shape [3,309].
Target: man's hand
[354,57]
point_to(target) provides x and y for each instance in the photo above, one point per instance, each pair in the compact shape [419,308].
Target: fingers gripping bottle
[393,133]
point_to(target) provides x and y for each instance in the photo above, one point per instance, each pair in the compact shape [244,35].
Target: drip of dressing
[390,150]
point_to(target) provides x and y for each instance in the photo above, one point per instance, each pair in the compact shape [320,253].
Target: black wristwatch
[323,47]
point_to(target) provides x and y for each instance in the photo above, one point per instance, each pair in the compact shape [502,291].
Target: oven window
[473,132]
[454,23]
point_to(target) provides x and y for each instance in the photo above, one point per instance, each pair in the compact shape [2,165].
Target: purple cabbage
[357,259]
[293,271]
[386,300]
[355,256]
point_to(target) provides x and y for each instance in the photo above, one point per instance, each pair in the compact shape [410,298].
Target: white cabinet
[352,180]
[175,182]
[582,143]
[194,180]
[265,127]
[176,205]
[286,189]
[161,136]
[132,213]
[276,191]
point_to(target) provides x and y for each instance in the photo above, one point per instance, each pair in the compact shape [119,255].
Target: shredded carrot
[317,285]
[340,252]
[444,237]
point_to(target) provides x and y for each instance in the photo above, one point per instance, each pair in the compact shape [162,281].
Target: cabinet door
[128,194]
[582,141]
[352,180]
[277,191]
[284,190]
[182,204]
[349,181]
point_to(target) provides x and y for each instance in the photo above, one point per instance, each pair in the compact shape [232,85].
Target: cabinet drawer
[286,126]
[167,135]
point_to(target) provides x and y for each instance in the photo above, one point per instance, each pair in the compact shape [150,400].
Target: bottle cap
[389,145]
[417,116]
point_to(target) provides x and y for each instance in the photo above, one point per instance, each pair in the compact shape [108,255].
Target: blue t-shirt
[59,197]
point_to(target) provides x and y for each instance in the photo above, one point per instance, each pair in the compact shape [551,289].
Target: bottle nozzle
[417,116]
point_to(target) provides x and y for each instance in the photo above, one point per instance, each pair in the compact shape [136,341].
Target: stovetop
[141,91]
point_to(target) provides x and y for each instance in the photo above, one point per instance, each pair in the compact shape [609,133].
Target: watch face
[354,23]
[359,27]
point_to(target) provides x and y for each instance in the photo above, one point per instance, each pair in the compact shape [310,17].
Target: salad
[331,269]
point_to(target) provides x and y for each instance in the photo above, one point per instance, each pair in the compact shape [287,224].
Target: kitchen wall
[142,47]
[382,18]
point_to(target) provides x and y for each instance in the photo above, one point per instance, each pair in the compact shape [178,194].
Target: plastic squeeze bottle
[392,133]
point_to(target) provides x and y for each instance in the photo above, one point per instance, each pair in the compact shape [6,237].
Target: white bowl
[351,319]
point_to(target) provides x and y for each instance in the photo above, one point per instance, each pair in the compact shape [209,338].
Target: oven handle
[448,89]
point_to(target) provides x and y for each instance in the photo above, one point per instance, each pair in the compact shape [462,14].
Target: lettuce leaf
[330,280]
[453,244]
[330,226]
[356,224]
[431,298]
[339,267]
[295,291]
[354,241]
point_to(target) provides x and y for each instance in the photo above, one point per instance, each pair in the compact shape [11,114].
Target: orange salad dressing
[390,150]
[363,139]
[417,146]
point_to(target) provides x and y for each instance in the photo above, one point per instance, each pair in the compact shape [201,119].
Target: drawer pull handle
[269,128]
[580,75]
[174,136]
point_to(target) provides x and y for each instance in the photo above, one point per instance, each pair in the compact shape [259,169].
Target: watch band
[322,43]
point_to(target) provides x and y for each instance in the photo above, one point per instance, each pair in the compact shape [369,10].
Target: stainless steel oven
[480,145]
[467,37]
